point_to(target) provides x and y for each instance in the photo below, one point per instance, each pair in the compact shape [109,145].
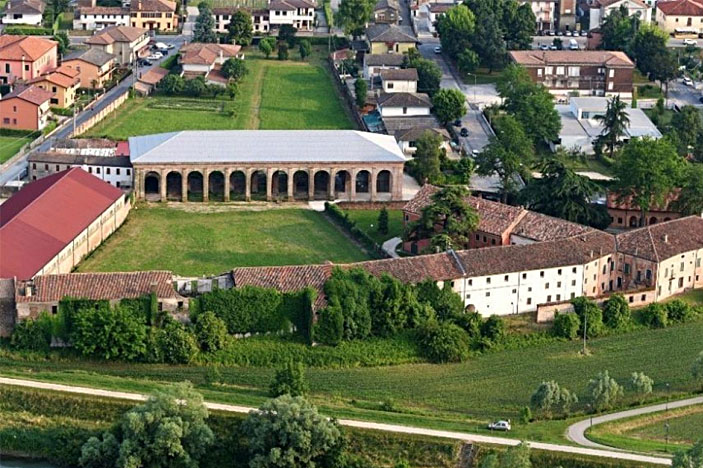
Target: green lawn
[273,95]
[367,221]
[10,145]
[209,240]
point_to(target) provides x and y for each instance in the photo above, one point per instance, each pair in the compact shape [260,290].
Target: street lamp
[474,75]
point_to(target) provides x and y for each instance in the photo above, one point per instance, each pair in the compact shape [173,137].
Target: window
[549,298]
[488,294]
[574,71]
[26,67]
[14,108]
[478,237]
[541,274]
[46,167]
[610,86]
[573,282]
[558,297]
[524,276]
[97,170]
[129,171]
[514,291]
[471,282]
[611,73]
[57,168]
[493,242]
[546,285]
[405,110]
[559,271]
[560,70]
[390,85]
[484,239]
[529,289]
[506,277]
[649,274]
[107,171]
[529,300]
[5,120]
[558,284]
[7,68]
[488,281]
[34,165]
[548,70]
[644,297]
[627,268]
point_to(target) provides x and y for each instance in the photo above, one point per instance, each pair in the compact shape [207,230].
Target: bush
[210,331]
[33,335]
[493,329]
[679,311]
[175,344]
[655,316]
[566,326]
[28,31]
[290,380]
[443,342]
[640,384]
[549,396]
[616,312]
[603,391]
[109,333]
[282,51]
[248,309]
[588,311]
[471,322]
[330,326]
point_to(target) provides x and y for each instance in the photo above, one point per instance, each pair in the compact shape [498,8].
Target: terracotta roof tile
[198,53]
[153,5]
[663,240]
[571,57]
[542,228]
[116,34]
[57,78]
[681,8]
[33,94]
[439,267]
[32,47]
[406,74]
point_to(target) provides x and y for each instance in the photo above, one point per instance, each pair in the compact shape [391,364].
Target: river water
[7,462]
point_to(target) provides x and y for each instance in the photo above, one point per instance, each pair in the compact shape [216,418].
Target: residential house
[100,17]
[112,169]
[63,84]
[404,104]
[124,42]
[386,11]
[148,82]
[580,128]
[680,14]
[25,57]
[375,63]
[402,80]
[546,13]
[25,108]
[52,223]
[567,15]
[94,66]
[407,139]
[154,15]
[298,13]
[586,72]
[434,11]
[199,59]
[390,39]
[625,214]
[600,9]
[29,12]
[223,16]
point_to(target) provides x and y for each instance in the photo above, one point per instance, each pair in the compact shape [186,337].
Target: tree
[304,48]
[175,343]
[455,28]
[57,7]
[550,397]
[516,457]
[493,329]
[468,61]
[232,89]
[640,384]
[168,430]
[286,33]
[615,122]
[210,331]
[63,41]
[490,461]
[383,221]
[691,458]
[655,316]
[109,333]
[618,29]
[697,369]
[360,90]
[240,29]
[33,334]
[603,391]
[290,380]
[648,49]
[443,342]
[427,157]
[690,197]
[282,51]
[353,15]
[590,315]
[679,311]
[616,312]
[429,75]
[330,326]
[507,155]
[566,326]
[288,432]
[448,104]
[195,87]
[647,171]
[172,84]
[488,39]
[520,26]
[204,30]
[562,193]
[687,125]
[448,214]
[266,45]
[234,68]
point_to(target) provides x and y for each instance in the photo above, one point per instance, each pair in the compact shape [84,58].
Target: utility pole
[585,325]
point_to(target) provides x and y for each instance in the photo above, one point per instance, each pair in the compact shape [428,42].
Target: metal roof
[253,146]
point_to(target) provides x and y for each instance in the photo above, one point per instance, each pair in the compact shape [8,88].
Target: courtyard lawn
[367,221]
[10,145]
[273,95]
[204,239]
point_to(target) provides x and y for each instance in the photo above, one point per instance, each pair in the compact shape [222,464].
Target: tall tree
[648,49]
[562,193]
[520,25]
[57,7]
[687,125]
[615,122]
[647,171]
[507,155]
[286,33]
[450,212]
[455,28]
[618,29]
[353,15]
[488,41]
[448,104]
[690,198]
[429,75]
[204,30]
[427,158]
[241,28]
[234,68]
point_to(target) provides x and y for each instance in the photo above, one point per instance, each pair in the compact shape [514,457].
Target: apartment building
[298,13]
[99,17]
[25,108]
[259,19]
[154,15]
[62,83]
[124,42]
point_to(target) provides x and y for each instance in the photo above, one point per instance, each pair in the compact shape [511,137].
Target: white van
[573,45]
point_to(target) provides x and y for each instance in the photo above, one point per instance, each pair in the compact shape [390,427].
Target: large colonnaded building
[267,164]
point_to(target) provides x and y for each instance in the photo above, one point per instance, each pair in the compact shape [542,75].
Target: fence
[348,99]
[363,205]
[101,114]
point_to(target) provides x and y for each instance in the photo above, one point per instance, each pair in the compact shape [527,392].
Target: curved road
[620,455]
[577,432]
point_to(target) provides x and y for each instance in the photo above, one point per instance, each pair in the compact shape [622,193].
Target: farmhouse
[28,12]
[268,164]
[390,39]
[99,17]
[198,59]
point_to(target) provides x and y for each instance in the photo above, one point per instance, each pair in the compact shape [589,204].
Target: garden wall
[100,115]
[637,298]
[7,306]
[364,205]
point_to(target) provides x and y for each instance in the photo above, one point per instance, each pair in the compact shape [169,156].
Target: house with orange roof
[63,84]
[25,108]
[124,42]
[25,57]
[600,9]
[90,18]
[94,66]
[199,59]
[154,15]
[680,14]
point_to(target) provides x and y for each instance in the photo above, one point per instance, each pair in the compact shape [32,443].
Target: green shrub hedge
[341,218]
[29,31]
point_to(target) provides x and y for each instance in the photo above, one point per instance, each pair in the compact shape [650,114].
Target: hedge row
[28,31]
[343,219]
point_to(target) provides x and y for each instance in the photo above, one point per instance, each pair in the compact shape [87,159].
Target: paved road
[619,455]
[577,432]
[683,95]
[17,170]
[581,40]
[390,245]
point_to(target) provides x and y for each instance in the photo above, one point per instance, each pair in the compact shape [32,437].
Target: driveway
[683,95]
[462,436]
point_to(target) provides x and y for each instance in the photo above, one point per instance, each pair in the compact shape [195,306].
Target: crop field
[10,145]
[367,221]
[210,240]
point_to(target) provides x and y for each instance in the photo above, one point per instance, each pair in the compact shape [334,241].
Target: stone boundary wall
[362,205]
[636,298]
[100,115]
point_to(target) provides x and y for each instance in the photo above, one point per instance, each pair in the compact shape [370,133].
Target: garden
[203,240]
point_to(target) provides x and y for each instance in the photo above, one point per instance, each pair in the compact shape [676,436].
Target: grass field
[200,240]
[10,145]
[367,221]
[273,95]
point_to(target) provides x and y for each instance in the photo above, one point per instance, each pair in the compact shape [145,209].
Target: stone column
[184,185]
[290,184]
[247,185]
[162,184]
[397,185]
[139,183]
[352,185]
[330,188]
[311,184]
[227,173]
[269,183]
[206,184]
[372,183]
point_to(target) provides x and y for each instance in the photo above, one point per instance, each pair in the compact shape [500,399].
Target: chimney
[591,253]
[23,67]
[666,238]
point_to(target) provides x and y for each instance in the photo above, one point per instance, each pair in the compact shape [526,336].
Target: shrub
[566,326]
[549,396]
[640,384]
[330,326]
[33,335]
[697,368]
[655,316]
[246,310]
[443,342]
[471,322]
[590,313]
[298,308]
[175,343]
[616,312]
[282,51]
[678,311]
[493,329]
[603,391]
[290,380]
[109,333]
[210,331]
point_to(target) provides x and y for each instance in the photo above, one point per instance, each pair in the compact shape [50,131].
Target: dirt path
[254,121]
[463,436]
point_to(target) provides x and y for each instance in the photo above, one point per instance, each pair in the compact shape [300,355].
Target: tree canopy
[241,29]
[204,30]
[690,197]
[448,104]
[615,122]
[354,15]
[427,157]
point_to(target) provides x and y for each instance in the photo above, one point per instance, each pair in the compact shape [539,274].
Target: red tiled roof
[438,267]
[613,201]
[154,75]
[663,240]
[205,54]
[571,57]
[31,47]
[542,228]
[33,94]
[57,78]
[153,5]
[116,34]
[96,286]
[681,8]
[46,215]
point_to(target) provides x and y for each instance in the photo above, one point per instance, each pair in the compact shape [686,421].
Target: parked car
[499,426]
[691,42]
[573,45]
[457,123]
[438,50]
[155,56]
[553,47]
[543,47]
[550,32]
[567,33]
[170,46]
[464,132]
[688,81]
[144,62]
[584,33]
